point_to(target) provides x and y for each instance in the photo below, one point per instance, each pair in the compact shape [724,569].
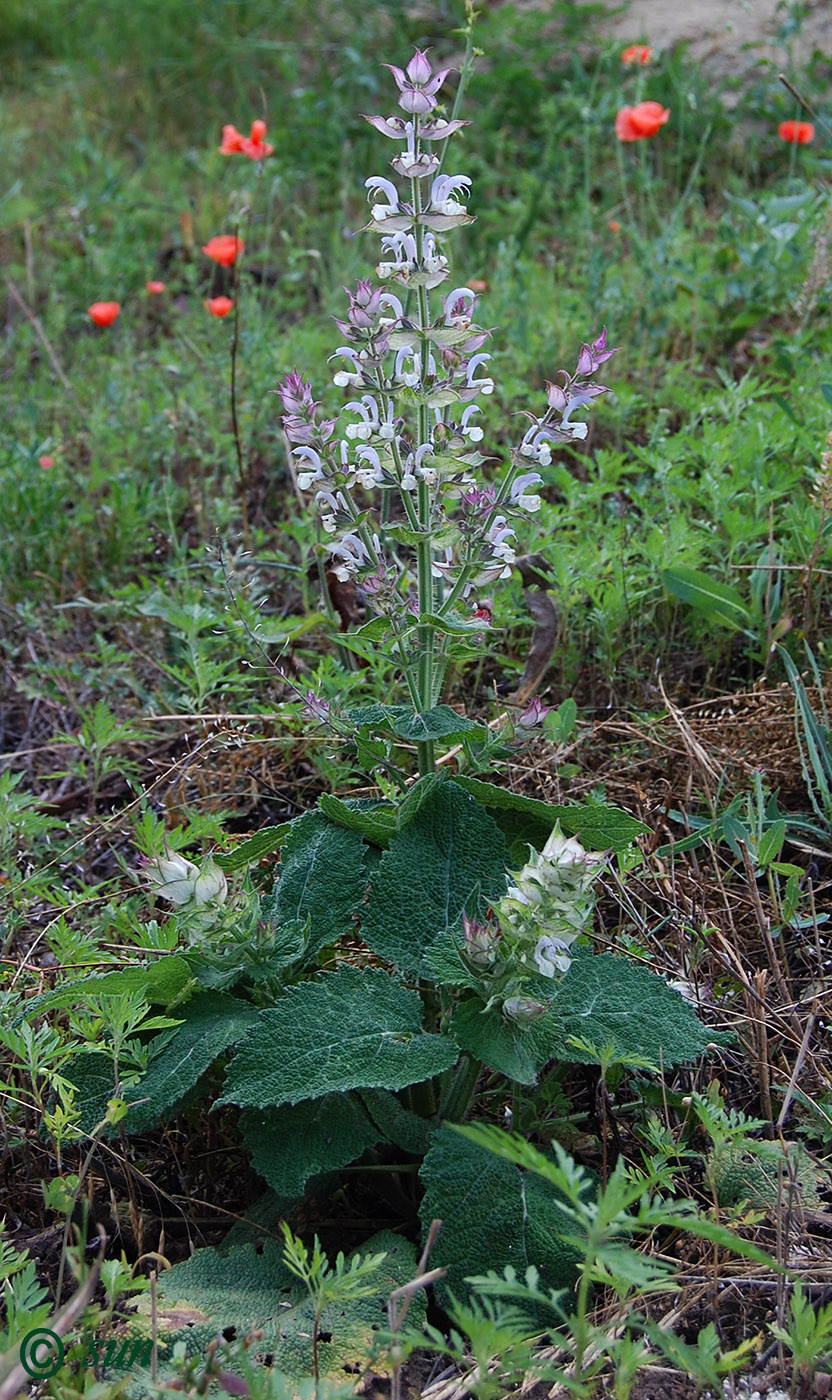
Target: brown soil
[729,36]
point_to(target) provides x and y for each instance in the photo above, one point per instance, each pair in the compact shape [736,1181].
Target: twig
[807,106]
[61,1324]
[405,1295]
[34,322]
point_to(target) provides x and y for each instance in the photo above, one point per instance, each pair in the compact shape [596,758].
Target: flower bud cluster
[183,883]
[551,902]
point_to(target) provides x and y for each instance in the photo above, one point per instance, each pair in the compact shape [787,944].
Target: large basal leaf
[355,1028]
[604,998]
[395,1122]
[717,601]
[451,857]
[246,1289]
[414,727]
[211,1024]
[290,1145]
[374,821]
[597,825]
[519,1052]
[322,879]
[163,983]
[494,1214]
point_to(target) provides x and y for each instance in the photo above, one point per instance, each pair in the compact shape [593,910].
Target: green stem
[462,1089]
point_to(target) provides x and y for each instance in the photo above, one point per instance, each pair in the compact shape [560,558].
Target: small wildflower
[637,53]
[636,123]
[418,85]
[254,146]
[534,714]
[46,462]
[154,288]
[316,708]
[614,226]
[224,249]
[219,306]
[796,133]
[103,313]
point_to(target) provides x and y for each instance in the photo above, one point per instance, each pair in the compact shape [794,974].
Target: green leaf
[212,1023]
[597,825]
[322,879]
[605,999]
[395,1122]
[375,821]
[717,601]
[445,964]
[262,843]
[163,982]
[494,1214]
[290,1145]
[441,722]
[450,857]
[250,1289]
[454,626]
[355,1028]
[519,1052]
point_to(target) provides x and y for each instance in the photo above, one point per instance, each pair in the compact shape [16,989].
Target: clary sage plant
[357,1002]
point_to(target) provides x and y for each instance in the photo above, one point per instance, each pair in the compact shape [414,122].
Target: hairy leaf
[249,1289]
[494,1214]
[441,722]
[599,826]
[262,843]
[397,1123]
[375,821]
[211,1024]
[351,1029]
[290,1145]
[519,1052]
[451,857]
[163,982]
[322,879]
[604,998]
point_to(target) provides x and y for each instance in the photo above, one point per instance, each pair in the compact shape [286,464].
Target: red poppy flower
[103,313]
[637,53]
[796,133]
[635,123]
[224,249]
[255,146]
[219,306]
[155,288]
[614,226]
[46,462]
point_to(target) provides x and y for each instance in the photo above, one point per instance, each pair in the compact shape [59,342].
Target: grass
[126,594]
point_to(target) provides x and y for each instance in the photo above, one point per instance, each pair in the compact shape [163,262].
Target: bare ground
[728,36]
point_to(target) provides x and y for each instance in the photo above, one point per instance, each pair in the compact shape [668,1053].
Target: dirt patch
[728,36]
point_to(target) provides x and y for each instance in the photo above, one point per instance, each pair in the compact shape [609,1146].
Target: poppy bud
[219,306]
[103,313]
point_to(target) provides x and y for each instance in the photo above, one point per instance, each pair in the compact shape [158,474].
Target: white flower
[180,881]
[211,886]
[551,955]
[173,877]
